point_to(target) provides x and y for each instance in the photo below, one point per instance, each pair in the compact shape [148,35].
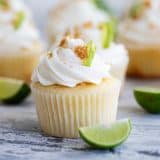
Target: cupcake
[72,88]
[68,14]
[102,33]
[20,47]
[139,32]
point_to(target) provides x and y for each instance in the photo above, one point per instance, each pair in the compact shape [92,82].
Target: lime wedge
[91,50]
[4,4]
[101,4]
[107,34]
[106,137]
[148,98]
[136,10]
[13,91]
[19,18]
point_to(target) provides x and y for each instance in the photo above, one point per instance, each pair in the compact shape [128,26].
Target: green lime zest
[19,18]
[4,4]
[136,10]
[107,34]
[91,50]
[106,137]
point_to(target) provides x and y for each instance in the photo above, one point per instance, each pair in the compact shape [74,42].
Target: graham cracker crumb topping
[77,33]
[147,3]
[88,25]
[81,51]
[63,43]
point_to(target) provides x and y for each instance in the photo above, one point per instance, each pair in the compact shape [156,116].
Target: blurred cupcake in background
[140,32]
[20,46]
[72,88]
[67,14]
[81,19]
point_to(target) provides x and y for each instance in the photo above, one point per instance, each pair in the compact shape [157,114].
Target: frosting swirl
[23,35]
[114,55]
[145,27]
[63,67]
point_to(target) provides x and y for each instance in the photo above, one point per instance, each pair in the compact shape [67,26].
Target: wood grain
[21,138]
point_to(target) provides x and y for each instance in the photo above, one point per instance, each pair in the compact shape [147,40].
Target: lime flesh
[13,91]
[148,98]
[106,137]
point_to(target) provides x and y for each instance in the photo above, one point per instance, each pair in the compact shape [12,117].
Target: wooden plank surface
[21,138]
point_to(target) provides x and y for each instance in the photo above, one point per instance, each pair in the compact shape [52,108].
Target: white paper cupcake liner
[61,113]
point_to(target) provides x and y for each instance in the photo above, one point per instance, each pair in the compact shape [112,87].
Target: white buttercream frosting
[115,54]
[70,14]
[12,40]
[64,67]
[145,28]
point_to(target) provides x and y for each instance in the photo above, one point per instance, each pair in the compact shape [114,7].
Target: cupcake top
[142,25]
[71,63]
[16,27]
[68,14]
[102,34]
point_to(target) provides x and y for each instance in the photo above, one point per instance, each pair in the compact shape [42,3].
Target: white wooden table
[21,138]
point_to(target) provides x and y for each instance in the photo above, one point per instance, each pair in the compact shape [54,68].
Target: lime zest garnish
[91,50]
[137,10]
[19,18]
[4,4]
[107,34]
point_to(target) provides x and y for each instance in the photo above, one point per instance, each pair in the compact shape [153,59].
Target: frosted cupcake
[72,88]
[68,14]
[102,34]
[20,46]
[140,33]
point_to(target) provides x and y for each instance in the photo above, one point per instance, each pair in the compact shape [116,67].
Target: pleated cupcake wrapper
[19,66]
[61,115]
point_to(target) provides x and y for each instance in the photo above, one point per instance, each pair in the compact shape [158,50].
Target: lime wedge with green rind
[4,4]
[19,18]
[13,91]
[107,34]
[91,50]
[100,4]
[106,137]
[136,10]
[148,99]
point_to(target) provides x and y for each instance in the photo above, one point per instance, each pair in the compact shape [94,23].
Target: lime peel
[148,99]
[4,4]
[136,10]
[107,34]
[91,50]
[13,91]
[106,137]
[19,18]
